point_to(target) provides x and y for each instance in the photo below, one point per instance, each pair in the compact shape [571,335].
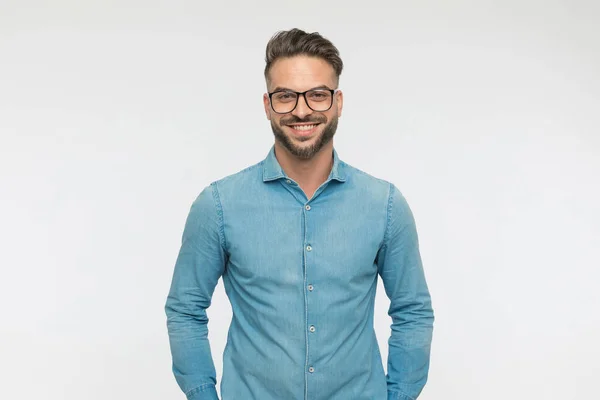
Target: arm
[200,263]
[400,268]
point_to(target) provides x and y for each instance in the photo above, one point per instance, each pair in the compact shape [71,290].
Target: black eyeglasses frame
[303,94]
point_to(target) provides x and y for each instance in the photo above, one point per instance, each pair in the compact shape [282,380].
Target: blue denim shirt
[301,276]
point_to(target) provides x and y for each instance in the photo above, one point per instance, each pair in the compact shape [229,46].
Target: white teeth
[304,127]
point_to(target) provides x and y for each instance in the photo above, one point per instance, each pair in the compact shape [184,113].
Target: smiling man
[300,240]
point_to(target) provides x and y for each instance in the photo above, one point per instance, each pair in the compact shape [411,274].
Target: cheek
[331,114]
[275,120]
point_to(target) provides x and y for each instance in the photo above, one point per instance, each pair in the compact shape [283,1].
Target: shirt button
[308,248]
[288,181]
[311,370]
[310,287]
[312,328]
[307,207]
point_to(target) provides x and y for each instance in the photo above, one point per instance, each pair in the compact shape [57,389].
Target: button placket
[310,329]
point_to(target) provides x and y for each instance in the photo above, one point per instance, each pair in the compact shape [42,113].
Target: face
[303,132]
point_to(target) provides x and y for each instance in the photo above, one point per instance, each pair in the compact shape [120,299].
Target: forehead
[301,73]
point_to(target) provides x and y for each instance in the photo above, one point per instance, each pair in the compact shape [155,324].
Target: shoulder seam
[389,214]
[219,207]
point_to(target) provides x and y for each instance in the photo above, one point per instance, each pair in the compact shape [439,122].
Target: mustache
[295,120]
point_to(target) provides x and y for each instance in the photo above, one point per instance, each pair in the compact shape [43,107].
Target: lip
[303,132]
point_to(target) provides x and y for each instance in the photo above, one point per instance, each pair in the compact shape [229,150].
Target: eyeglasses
[285,101]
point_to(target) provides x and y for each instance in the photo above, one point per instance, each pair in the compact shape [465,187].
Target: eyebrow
[279,88]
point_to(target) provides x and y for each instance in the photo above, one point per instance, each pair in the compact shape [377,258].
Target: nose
[302,109]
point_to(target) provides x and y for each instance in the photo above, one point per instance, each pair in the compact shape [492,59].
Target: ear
[339,102]
[267,105]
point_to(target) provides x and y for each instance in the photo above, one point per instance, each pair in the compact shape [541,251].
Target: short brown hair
[297,42]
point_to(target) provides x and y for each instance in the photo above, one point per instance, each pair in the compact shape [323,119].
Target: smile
[304,128]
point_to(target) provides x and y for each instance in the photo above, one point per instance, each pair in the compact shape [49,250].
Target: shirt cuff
[204,392]
[393,395]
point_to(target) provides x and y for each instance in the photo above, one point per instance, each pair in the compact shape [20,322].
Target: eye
[319,95]
[284,96]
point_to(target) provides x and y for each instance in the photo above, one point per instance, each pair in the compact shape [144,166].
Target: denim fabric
[301,276]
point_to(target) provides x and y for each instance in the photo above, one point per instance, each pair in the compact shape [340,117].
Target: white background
[115,114]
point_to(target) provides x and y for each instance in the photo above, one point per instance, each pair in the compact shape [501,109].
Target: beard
[305,152]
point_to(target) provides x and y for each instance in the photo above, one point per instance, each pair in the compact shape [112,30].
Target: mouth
[304,129]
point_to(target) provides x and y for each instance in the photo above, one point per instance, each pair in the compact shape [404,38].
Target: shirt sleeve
[200,264]
[399,265]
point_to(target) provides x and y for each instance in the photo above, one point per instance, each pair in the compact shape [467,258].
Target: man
[300,239]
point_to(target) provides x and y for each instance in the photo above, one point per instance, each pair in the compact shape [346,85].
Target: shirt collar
[272,170]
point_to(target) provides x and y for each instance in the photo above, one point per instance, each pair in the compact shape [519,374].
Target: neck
[309,173]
